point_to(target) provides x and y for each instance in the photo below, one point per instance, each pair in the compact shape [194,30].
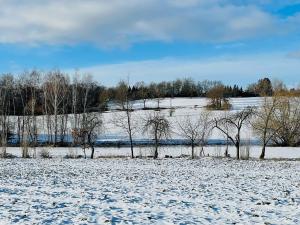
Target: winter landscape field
[115,189]
[163,112]
[141,191]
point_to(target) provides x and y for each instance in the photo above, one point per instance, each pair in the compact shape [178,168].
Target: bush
[225,105]
[7,156]
[45,154]
[73,154]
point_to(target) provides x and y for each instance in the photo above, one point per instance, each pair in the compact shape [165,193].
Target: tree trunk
[263,152]
[131,147]
[237,150]
[84,152]
[202,150]
[156,148]
[193,146]
[93,152]
[226,150]
[156,152]
[130,130]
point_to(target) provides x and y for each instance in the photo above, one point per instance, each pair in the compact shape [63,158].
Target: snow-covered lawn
[141,191]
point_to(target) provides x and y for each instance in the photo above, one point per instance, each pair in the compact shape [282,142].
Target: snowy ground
[174,151]
[140,191]
[118,190]
[181,108]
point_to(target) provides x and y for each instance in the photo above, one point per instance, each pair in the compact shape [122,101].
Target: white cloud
[243,70]
[121,23]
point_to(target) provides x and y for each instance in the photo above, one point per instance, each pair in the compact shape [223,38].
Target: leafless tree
[125,121]
[286,121]
[122,94]
[81,87]
[55,93]
[196,130]
[104,98]
[32,82]
[75,100]
[21,92]
[87,84]
[158,95]
[6,84]
[142,91]
[46,109]
[86,135]
[234,122]
[128,124]
[158,126]
[262,123]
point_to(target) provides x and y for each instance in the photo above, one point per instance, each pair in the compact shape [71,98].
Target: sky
[236,41]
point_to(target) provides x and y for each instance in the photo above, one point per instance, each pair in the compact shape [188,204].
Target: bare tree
[75,100]
[142,92]
[234,122]
[158,95]
[31,82]
[6,84]
[87,84]
[286,121]
[55,93]
[87,134]
[81,88]
[122,94]
[125,121]
[158,127]
[46,109]
[128,124]
[104,98]
[262,123]
[196,130]
[22,94]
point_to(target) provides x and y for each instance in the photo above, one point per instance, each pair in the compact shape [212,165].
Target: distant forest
[55,92]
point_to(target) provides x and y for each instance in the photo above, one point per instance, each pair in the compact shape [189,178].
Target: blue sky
[152,40]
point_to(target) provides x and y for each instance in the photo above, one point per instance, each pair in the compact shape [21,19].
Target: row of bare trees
[62,102]
[65,105]
[275,122]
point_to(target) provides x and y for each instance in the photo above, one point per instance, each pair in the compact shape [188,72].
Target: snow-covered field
[113,189]
[141,191]
[174,151]
[181,107]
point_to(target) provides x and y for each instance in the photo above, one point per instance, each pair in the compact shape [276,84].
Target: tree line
[74,103]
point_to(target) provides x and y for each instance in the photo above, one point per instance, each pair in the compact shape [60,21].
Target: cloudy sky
[234,41]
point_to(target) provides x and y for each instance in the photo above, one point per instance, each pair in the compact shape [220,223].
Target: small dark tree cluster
[262,87]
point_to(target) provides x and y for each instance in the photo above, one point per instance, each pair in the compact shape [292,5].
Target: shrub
[45,154]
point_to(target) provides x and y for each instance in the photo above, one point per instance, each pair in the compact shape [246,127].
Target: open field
[113,189]
[163,112]
[170,191]
[181,107]
[174,151]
